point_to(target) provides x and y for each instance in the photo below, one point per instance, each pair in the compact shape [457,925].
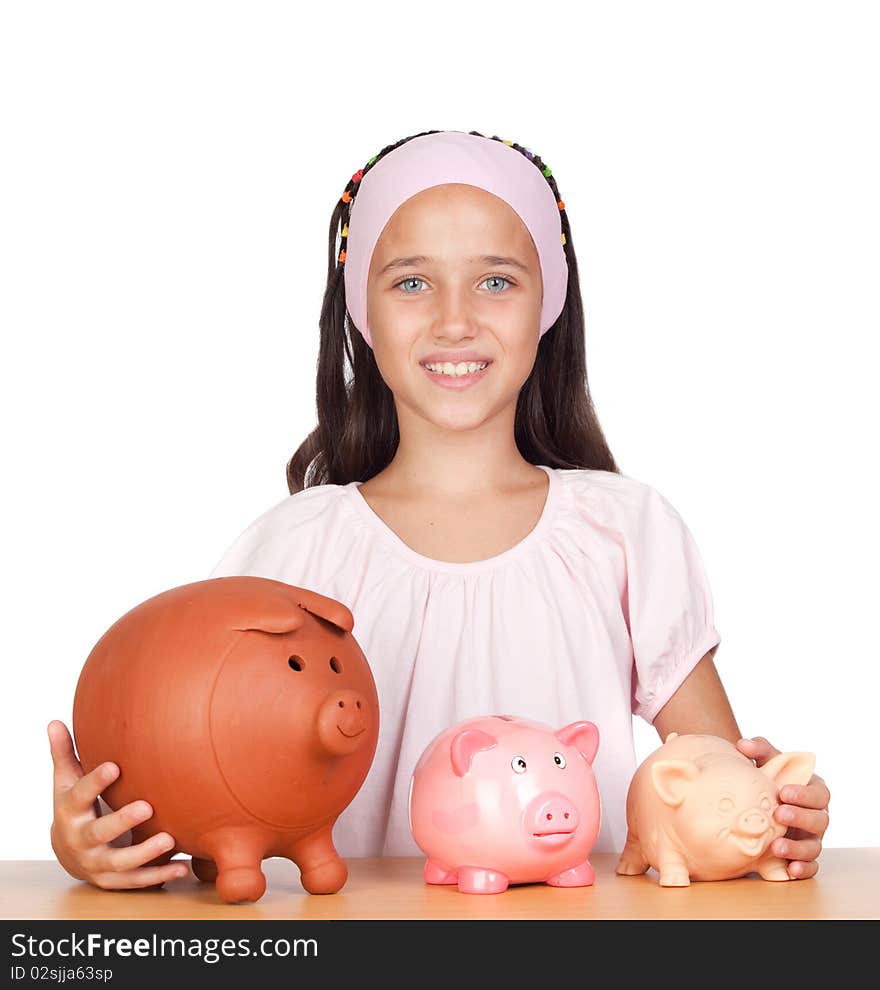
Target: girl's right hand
[81,837]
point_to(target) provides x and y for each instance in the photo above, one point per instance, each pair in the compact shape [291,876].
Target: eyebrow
[423,259]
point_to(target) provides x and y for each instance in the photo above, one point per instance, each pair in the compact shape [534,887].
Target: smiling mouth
[752,845]
[351,735]
[450,380]
[544,835]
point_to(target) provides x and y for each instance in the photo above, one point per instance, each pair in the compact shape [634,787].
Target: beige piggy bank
[699,809]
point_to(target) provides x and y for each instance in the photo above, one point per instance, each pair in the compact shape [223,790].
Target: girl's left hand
[805,812]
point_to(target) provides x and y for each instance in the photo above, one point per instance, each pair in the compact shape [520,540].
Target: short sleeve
[282,541]
[241,556]
[667,602]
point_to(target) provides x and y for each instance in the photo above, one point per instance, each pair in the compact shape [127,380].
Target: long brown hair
[357,432]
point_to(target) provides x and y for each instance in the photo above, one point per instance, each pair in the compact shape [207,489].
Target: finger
[109,827]
[814,794]
[148,876]
[66,769]
[758,749]
[124,860]
[802,871]
[808,819]
[85,791]
[804,850]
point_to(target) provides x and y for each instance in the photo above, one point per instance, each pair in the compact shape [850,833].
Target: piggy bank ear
[790,768]
[584,736]
[671,779]
[465,744]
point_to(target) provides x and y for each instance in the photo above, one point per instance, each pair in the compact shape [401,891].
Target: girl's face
[454,270]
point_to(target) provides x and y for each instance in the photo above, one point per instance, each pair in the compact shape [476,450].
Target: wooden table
[846,887]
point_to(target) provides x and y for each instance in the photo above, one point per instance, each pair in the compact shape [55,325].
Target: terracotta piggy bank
[698,809]
[501,800]
[243,710]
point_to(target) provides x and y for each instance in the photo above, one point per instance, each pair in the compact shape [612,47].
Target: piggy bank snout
[551,814]
[753,821]
[343,720]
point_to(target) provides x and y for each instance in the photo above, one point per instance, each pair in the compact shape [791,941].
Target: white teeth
[457,370]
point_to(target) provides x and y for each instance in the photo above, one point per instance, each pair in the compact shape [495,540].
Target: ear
[790,768]
[267,605]
[671,779]
[465,745]
[584,736]
[326,608]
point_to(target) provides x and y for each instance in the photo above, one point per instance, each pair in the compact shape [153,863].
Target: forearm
[700,705]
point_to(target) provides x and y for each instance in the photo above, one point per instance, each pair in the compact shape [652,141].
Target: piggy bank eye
[725,804]
[765,803]
[559,760]
[296,662]
[518,764]
[335,665]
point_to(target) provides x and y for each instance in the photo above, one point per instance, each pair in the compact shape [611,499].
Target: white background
[166,184]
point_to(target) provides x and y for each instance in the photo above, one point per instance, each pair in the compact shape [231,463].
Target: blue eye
[414,278]
[497,278]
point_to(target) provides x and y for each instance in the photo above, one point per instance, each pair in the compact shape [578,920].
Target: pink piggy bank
[698,809]
[500,800]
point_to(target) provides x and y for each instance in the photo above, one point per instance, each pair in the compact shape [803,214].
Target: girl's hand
[805,812]
[81,837]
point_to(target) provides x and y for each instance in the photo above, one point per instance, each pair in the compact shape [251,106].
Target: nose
[753,822]
[551,812]
[343,720]
[454,317]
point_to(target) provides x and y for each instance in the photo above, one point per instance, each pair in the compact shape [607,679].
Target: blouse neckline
[369,516]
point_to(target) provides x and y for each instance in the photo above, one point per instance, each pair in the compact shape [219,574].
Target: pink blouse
[601,611]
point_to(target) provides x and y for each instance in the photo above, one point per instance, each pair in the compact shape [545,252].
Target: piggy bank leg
[673,870]
[321,869]
[772,868]
[204,869]
[475,880]
[632,861]
[435,873]
[238,854]
[577,876]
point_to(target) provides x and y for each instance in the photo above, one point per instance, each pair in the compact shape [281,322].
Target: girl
[459,496]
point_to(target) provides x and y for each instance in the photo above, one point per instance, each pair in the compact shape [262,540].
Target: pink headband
[454,156]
